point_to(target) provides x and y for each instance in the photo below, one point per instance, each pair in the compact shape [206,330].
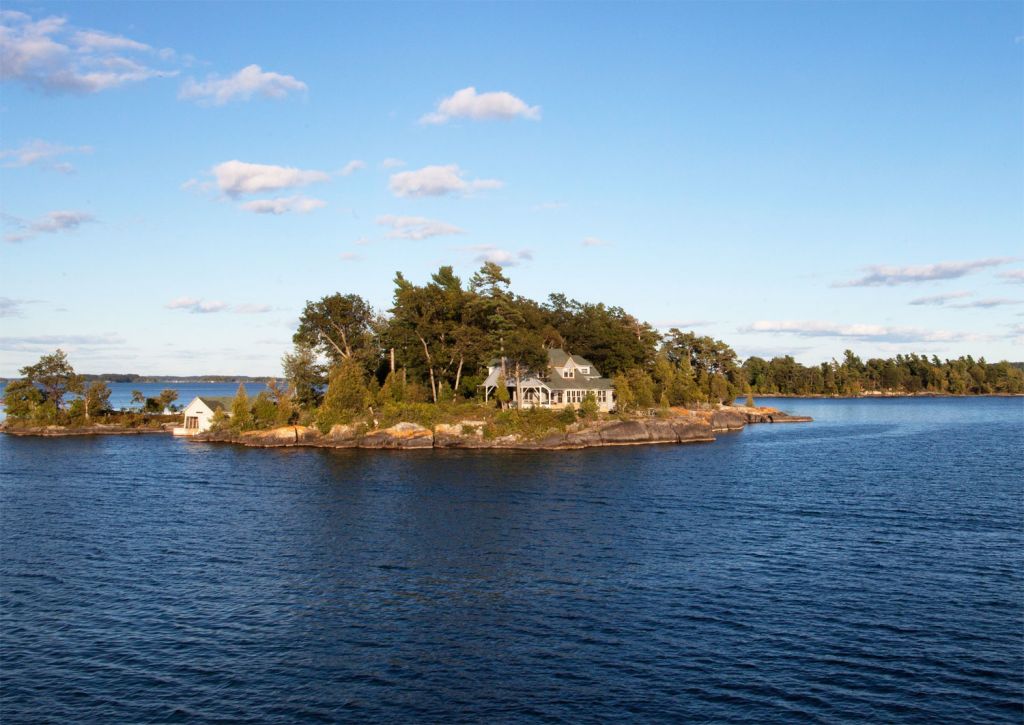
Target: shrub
[589,408]
[264,411]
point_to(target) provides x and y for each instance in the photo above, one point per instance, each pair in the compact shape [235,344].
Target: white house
[566,382]
[199,414]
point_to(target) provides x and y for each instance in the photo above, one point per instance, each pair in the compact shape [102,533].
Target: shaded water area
[868,566]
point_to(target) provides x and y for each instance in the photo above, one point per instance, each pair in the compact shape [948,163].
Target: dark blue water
[867,567]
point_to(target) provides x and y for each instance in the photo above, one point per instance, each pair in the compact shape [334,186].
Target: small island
[474,365]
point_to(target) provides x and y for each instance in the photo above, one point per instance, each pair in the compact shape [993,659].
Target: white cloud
[242,86]
[437,181]
[349,257]
[251,308]
[1015,276]
[390,163]
[467,103]
[362,241]
[236,178]
[352,166]
[51,55]
[882,275]
[817,328]
[283,205]
[35,343]
[96,40]
[939,299]
[594,242]
[988,303]
[51,223]
[416,227]
[503,257]
[196,306]
[42,153]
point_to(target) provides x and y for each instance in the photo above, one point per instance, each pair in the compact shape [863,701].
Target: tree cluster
[437,339]
[907,374]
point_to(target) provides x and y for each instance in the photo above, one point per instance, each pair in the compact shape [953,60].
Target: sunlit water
[865,567]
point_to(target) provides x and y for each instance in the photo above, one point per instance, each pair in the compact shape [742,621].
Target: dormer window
[585,371]
[567,373]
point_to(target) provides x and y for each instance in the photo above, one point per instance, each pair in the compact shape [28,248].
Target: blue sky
[177,179]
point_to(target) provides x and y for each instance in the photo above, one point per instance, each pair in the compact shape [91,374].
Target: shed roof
[215,404]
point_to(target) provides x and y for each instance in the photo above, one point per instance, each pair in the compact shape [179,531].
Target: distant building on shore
[566,382]
[198,415]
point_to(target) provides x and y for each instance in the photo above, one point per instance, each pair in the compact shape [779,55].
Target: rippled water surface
[865,567]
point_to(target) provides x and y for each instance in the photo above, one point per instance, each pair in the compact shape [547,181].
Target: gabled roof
[215,404]
[557,357]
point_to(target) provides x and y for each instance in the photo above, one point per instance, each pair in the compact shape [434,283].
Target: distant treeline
[135,378]
[910,374]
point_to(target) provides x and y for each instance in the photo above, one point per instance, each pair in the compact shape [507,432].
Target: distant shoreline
[187,379]
[872,395]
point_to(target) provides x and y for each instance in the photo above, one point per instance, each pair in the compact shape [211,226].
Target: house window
[602,396]
[585,371]
[567,373]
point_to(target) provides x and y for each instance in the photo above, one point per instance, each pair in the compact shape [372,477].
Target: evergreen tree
[241,410]
[347,395]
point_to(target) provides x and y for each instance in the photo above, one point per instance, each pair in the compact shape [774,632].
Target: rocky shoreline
[678,427]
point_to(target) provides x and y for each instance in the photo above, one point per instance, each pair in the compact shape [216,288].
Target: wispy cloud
[352,166]
[251,308]
[467,103]
[34,343]
[10,307]
[51,55]
[350,257]
[988,303]
[889,276]
[206,307]
[437,181]
[939,299]
[503,257]
[1015,276]
[858,331]
[391,163]
[196,306]
[283,205]
[50,223]
[242,86]
[594,242]
[416,227]
[43,154]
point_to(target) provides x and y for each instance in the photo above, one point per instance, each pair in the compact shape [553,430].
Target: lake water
[866,567]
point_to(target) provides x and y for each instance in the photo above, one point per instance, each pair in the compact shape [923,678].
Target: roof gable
[215,404]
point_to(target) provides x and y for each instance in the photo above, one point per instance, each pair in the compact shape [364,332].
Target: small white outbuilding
[199,414]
